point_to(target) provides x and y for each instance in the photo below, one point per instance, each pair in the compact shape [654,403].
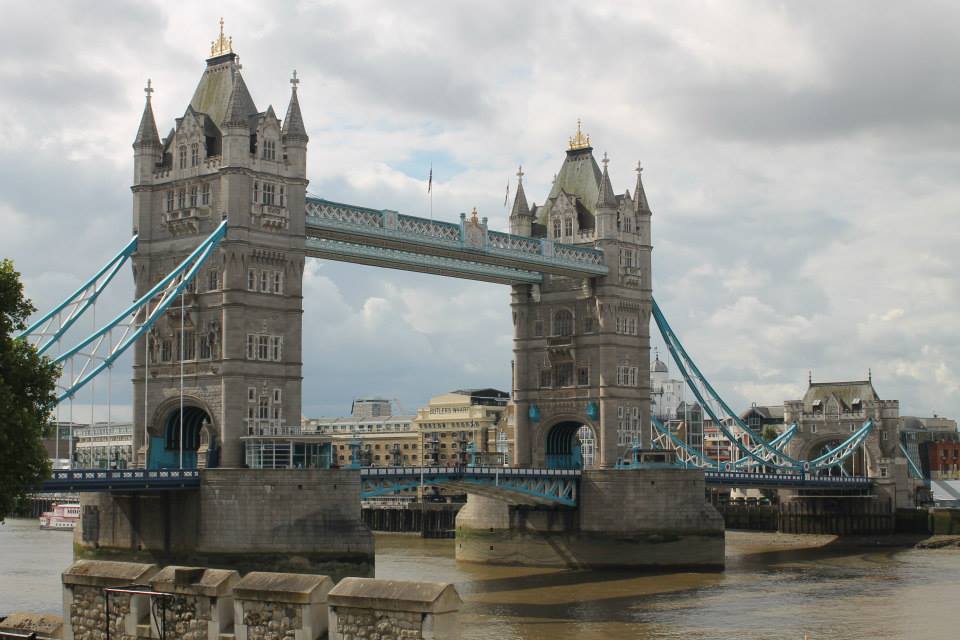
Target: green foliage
[27,396]
[769,432]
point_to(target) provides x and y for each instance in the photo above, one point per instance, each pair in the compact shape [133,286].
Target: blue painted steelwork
[683,361]
[914,469]
[545,486]
[136,319]
[798,479]
[76,304]
[779,443]
[466,242]
[760,453]
[85,480]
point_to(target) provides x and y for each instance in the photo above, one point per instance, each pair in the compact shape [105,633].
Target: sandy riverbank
[750,542]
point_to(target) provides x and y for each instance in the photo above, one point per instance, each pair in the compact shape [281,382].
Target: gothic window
[166,349]
[588,323]
[556,227]
[583,376]
[568,227]
[278,282]
[169,200]
[194,195]
[627,226]
[263,347]
[181,199]
[205,350]
[256,191]
[277,348]
[565,374]
[213,280]
[251,279]
[263,408]
[626,257]
[283,197]
[563,323]
[183,156]
[194,154]
[268,193]
[269,149]
[251,346]
[186,345]
[546,379]
[205,194]
[277,395]
[264,282]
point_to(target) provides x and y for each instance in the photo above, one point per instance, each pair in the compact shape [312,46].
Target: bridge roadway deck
[541,486]
[469,250]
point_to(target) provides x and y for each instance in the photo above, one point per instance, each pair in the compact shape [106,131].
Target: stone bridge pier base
[303,521]
[654,519]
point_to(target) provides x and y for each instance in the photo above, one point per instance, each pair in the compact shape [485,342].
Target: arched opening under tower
[196,448]
[570,445]
[854,465]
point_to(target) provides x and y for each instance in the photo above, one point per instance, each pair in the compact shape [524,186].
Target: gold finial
[473,217]
[222,45]
[579,141]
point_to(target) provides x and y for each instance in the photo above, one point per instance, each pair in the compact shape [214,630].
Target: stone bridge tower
[582,346]
[240,333]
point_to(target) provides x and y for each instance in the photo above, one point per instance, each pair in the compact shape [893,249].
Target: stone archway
[563,447]
[855,465]
[197,445]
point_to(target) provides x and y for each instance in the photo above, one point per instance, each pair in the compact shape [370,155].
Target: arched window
[183,156]
[194,154]
[627,226]
[568,227]
[563,323]
[556,227]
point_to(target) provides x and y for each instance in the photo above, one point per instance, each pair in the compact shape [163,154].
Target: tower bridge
[222,228]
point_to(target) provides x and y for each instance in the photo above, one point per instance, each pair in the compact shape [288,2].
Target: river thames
[775,586]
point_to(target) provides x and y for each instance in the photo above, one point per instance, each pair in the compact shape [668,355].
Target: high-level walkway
[468,250]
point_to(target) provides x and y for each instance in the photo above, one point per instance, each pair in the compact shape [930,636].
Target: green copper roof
[212,95]
[579,176]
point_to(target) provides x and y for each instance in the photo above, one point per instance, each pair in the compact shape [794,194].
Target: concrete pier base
[307,521]
[630,519]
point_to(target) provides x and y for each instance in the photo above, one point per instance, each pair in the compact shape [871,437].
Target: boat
[63,516]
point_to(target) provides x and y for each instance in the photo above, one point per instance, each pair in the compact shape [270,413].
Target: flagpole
[430,190]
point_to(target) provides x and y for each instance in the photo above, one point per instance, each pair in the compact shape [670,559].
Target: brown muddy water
[775,586]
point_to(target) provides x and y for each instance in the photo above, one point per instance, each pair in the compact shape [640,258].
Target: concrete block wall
[211,604]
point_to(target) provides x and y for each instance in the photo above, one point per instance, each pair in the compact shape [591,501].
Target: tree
[769,432]
[27,396]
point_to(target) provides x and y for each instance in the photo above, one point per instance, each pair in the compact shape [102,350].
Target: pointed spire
[293,127]
[236,113]
[147,133]
[639,195]
[520,207]
[607,198]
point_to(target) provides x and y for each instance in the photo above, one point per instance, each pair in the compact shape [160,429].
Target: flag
[430,180]
[506,196]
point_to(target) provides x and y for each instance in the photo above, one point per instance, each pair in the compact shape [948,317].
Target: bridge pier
[242,519]
[629,519]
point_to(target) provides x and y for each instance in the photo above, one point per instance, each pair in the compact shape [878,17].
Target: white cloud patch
[805,205]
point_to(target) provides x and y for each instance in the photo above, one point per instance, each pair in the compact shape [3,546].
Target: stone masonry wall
[187,617]
[87,615]
[376,624]
[271,620]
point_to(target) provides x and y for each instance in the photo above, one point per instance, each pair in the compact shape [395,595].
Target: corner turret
[606,208]
[520,218]
[294,133]
[148,150]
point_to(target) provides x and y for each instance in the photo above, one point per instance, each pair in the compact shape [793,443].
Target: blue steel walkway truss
[537,486]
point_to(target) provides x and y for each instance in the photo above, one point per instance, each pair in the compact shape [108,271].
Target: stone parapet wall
[192,603]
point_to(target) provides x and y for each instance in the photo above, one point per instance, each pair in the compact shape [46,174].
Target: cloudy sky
[801,162]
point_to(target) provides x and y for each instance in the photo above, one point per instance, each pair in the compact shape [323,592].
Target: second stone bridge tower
[582,346]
